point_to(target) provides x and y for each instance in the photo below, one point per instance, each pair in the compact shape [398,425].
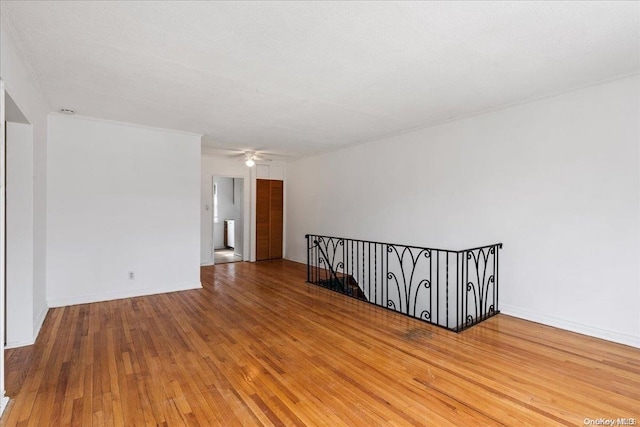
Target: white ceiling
[298,78]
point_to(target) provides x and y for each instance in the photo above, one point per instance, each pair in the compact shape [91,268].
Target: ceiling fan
[250,157]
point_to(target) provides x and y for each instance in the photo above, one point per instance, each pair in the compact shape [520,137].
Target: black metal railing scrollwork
[451,289]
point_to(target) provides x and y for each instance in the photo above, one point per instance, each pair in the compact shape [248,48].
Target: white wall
[121,198]
[556,180]
[213,166]
[19,280]
[23,88]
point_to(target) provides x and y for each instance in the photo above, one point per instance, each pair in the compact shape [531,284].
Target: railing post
[308,259]
[498,247]
[465,281]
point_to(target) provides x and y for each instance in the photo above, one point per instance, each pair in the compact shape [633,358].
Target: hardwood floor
[259,346]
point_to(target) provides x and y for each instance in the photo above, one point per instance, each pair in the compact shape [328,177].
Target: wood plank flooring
[259,346]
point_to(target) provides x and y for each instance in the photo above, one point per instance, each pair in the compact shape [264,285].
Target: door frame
[3,242]
[246,214]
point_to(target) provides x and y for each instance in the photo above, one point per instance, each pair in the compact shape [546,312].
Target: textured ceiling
[298,78]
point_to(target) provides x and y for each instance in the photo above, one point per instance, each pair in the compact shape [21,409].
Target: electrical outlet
[132,275]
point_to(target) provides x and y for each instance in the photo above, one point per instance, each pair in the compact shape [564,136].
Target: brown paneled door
[276,220]
[269,219]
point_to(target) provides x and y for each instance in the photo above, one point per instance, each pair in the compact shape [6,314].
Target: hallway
[223,256]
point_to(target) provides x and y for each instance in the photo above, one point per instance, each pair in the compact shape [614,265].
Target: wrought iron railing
[451,289]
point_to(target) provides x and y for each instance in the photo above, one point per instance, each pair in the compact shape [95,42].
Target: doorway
[228,219]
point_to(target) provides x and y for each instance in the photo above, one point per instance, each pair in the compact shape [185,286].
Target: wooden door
[275,225]
[263,220]
[269,219]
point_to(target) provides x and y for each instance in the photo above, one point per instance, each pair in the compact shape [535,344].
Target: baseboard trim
[4,401]
[17,344]
[38,321]
[36,331]
[568,325]
[296,260]
[108,296]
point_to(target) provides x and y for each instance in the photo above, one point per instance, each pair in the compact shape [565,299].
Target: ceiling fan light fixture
[250,162]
